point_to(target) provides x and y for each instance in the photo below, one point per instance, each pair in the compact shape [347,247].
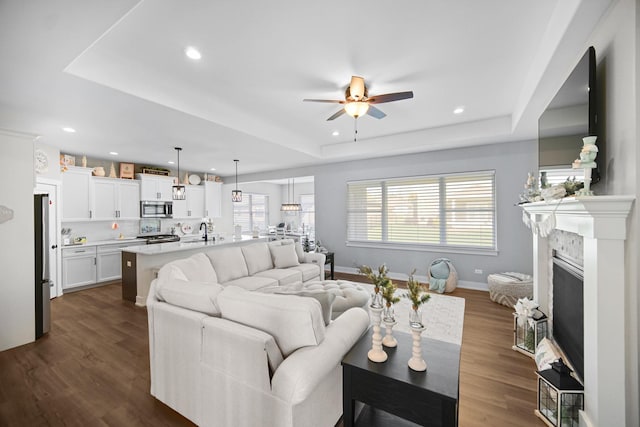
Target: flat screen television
[570,116]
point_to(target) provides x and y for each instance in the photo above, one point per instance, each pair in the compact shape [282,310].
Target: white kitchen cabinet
[129,200]
[76,194]
[155,187]
[109,261]
[212,199]
[78,266]
[115,199]
[193,204]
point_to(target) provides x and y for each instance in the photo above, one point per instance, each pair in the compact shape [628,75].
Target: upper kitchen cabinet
[115,199]
[155,187]
[193,204]
[212,199]
[76,200]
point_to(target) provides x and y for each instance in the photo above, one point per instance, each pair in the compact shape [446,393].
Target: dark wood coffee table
[397,395]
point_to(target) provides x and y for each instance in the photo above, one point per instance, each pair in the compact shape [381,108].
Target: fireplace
[567,318]
[601,221]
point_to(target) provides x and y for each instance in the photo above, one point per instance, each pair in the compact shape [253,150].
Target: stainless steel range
[159,238]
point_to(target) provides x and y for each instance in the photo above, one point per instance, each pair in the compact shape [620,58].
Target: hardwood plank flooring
[92,369]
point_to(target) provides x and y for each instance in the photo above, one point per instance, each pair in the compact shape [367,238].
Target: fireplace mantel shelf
[589,216]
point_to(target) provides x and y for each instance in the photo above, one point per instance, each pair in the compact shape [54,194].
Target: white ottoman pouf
[348,294]
[508,288]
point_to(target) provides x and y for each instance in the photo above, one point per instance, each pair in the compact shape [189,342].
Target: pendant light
[236,195]
[291,207]
[179,191]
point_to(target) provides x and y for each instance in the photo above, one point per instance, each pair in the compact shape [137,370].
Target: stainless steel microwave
[155,209]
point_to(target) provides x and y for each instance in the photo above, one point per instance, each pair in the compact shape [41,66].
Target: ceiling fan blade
[374,112]
[336,115]
[389,97]
[332,101]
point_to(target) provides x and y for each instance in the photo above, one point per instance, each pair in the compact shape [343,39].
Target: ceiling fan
[357,101]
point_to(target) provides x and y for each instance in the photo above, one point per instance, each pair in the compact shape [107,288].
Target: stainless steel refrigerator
[42,282]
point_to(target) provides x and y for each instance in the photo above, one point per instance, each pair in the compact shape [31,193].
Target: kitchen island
[140,264]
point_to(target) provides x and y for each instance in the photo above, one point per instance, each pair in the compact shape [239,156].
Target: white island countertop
[165,248]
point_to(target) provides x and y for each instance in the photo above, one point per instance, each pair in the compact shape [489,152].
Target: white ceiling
[116,72]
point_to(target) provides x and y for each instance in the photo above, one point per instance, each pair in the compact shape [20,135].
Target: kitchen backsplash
[104,230]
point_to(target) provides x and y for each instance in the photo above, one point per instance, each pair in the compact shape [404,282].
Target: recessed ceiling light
[113,153]
[69,130]
[171,162]
[458,110]
[335,133]
[192,53]
[212,169]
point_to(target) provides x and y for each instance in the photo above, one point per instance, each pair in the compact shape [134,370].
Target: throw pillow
[294,322]
[284,256]
[197,296]
[324,298]
[440,270]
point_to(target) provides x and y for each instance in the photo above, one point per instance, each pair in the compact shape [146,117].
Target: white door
[51,188]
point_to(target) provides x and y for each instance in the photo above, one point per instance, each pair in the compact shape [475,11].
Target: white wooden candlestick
[416,362]
[376,354]
[389,340]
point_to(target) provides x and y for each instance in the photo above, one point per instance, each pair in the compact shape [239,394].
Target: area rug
[442,315]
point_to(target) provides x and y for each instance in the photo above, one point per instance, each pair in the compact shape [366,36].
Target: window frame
[384,243]
[251,212]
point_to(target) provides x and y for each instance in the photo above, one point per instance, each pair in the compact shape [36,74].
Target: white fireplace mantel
[602,222]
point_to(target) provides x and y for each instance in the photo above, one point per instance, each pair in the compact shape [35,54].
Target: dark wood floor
[92,369]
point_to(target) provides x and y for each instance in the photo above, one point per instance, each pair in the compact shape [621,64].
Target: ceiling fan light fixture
[356,88]
[356,108]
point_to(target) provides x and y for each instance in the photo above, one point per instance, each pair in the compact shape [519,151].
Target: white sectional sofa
[224,355]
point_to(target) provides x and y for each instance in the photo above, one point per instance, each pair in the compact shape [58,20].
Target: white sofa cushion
[228,263]
[257,257]
[197,267]
[284,276]
[284,256]
[294,322]
[308,271]
[324,298]
[252,283]
[196,296]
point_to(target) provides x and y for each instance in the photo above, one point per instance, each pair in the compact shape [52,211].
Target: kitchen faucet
[205,231]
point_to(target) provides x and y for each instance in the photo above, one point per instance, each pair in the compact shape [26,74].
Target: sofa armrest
[301,372]
[243,353]
[316,258]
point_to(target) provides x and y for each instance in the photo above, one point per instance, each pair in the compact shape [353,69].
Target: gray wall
[511,162]
[617,43]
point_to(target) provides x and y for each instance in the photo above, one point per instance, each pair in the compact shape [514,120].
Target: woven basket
[452,280]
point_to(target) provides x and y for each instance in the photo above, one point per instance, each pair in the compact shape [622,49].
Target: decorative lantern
[528,331]
[560,396]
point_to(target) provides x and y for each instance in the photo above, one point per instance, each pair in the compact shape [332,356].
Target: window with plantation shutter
[455,210]
[251,212]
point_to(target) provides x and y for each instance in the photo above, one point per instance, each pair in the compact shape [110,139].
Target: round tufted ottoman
[348,294]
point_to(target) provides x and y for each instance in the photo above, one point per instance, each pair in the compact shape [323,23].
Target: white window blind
[455,210]
[252,211]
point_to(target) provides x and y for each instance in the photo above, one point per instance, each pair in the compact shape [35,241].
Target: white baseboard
[465,284]
[478,286]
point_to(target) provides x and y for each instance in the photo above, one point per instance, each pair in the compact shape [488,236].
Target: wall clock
[41,161]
